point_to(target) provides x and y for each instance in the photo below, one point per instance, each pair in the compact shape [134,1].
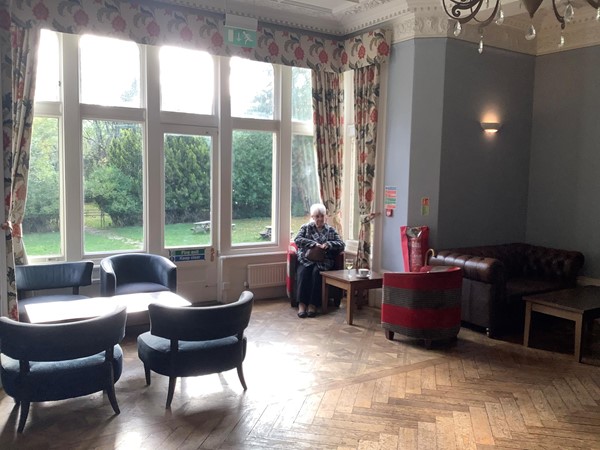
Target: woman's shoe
[312,312]
[302,310]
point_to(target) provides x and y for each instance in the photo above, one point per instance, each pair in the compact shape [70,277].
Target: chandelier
[465,11]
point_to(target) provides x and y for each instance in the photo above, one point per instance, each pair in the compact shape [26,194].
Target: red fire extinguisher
[415,242]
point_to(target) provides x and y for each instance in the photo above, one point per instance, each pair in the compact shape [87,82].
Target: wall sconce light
[490,127]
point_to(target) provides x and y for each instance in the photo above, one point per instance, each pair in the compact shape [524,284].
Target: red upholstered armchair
[422,305]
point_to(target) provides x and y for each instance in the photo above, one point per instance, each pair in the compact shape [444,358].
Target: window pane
[186,80]
[187,190]
[305,186]
[301,95]
[251,86]
[113,190]
[47,86]
[110,72]
[252,178]
[41,225]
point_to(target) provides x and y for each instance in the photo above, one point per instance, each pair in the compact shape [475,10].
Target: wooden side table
[348,281]
[581,305]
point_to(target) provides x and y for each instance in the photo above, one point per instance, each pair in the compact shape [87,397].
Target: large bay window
[111,115]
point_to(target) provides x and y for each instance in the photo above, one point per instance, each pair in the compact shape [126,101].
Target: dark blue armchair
[64,275]
[136,272]
[192,341]
[40,363]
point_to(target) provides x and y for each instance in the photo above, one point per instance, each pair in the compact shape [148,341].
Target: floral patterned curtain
[328,118]
[153,23]
[366,102]
[18,87]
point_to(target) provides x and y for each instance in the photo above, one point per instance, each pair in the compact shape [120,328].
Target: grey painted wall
[564,183]
[484,178]
[439,92]
[416,71]
[397,164]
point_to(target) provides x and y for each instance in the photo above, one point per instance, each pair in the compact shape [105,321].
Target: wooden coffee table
[581,305]
[347,280]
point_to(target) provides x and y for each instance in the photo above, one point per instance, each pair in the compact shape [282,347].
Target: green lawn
[130,238]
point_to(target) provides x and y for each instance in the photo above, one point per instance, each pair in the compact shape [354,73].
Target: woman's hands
[324,246]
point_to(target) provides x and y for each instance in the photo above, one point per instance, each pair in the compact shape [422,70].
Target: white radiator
[266,275]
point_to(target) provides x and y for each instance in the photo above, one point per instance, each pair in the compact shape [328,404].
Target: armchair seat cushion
[193,357]
[133,288]
[57,380]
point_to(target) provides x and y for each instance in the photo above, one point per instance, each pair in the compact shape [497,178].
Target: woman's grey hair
[318,208]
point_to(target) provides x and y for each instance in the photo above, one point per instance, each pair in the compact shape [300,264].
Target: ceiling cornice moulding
[410,19]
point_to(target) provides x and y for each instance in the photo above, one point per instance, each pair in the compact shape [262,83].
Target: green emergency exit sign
[240,37]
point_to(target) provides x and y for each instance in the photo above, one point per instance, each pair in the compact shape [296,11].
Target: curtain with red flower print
[18,88]
[328,118]
[366,102]
[155,23]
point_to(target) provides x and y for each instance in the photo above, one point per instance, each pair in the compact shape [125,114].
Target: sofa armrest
[477,268]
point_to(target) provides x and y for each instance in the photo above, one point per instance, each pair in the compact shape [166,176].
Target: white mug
[363,272]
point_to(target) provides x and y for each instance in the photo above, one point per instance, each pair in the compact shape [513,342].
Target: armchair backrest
[201,323]
[118,270]
[54,276]
[63,341]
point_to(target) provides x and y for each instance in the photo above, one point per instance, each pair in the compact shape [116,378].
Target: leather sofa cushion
[518,287]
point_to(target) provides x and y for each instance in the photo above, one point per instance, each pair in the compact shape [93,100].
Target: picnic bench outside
[266,234]
[204,227]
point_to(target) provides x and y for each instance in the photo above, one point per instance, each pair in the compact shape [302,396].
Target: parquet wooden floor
[321,384]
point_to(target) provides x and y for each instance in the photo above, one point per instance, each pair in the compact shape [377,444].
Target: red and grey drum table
[350,282]
[581,305]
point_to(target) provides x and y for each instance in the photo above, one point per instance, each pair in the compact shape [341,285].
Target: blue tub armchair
[192,341]
[61,281]
[136,272]
[40,363]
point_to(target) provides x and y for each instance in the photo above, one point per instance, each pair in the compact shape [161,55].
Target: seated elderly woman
[318,244]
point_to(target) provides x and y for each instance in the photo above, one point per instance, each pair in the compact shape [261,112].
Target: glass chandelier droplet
[569,13]
[561,42]
[480,48]
[457,29]
[598,14]
[530,33]
[499,16]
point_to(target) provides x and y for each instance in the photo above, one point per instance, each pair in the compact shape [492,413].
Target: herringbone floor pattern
[321,384]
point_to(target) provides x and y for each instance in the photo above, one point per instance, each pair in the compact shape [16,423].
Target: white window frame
[155,123]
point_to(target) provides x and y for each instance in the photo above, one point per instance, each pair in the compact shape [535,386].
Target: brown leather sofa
[496,277]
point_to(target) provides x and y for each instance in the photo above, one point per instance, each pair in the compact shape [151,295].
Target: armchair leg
[110,391]
[23,416]
[172,382]
[240,373]
[147,372]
